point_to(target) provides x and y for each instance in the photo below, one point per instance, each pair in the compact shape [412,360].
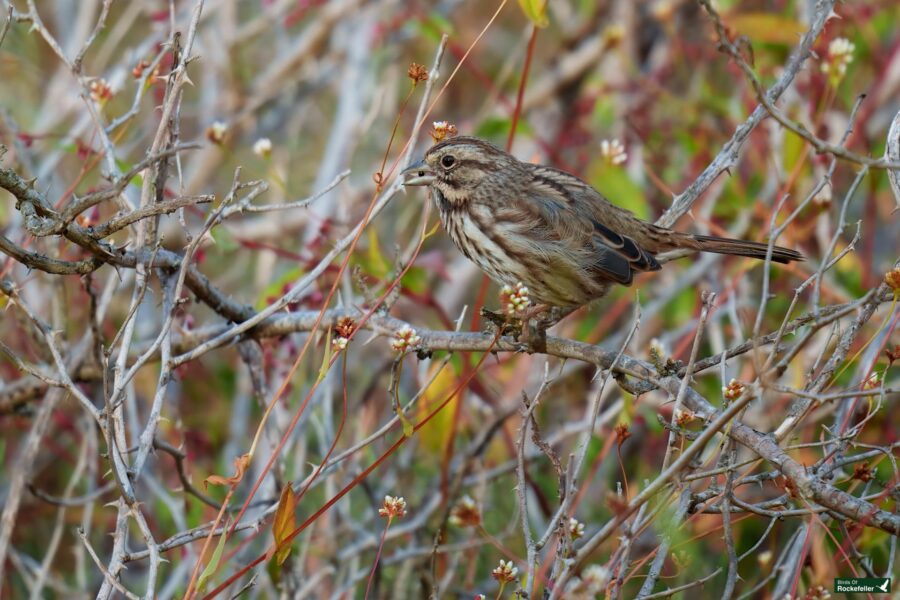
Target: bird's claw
[529,331]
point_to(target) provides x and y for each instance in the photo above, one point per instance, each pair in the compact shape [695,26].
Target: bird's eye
[447,161]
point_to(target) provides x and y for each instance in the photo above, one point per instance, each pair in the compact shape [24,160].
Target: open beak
[418,174]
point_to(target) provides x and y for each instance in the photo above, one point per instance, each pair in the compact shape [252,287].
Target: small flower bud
[216,132]
[138,71]
[263,148]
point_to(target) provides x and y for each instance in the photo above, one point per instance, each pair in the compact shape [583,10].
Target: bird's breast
[473,235]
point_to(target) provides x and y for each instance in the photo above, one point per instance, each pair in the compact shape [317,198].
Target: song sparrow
[546,228]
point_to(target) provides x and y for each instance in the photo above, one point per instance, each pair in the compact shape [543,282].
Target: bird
[535,225]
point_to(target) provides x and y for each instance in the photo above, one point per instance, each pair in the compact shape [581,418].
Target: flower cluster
[101,91]
[343,329]
[417,73]
[505,572]
[684,416]
[138,71]
[871,382]
[863,472]
[216,132]
[405,339]
[817,592]
[393,507]
[622,433]
[840,55]
[515,298]
[892,279]
[613,151]
[591,584]
[733,390]
[576,528]
[893,354]
[465,513]
[441,130]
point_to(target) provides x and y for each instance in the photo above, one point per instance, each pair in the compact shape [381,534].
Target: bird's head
[459,165]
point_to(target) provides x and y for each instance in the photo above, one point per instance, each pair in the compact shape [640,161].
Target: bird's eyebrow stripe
[474,162]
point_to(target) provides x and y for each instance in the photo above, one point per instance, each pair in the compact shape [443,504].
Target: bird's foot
[529,328]
[534,335]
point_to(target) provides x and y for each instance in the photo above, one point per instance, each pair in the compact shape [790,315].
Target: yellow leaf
[434,435]
[284,523]
[326,359]
[536,11]
[767,27]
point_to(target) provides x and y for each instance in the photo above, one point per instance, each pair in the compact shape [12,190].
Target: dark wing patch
[619,256]
[610,265]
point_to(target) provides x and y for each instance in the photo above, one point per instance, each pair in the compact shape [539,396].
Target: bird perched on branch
[545,228]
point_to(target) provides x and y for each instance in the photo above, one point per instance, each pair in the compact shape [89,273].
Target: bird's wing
[574,212]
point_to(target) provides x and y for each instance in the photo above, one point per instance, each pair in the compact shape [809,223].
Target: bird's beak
[418,174]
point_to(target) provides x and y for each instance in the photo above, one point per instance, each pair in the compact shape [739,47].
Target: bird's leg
[529,327]
[537,321]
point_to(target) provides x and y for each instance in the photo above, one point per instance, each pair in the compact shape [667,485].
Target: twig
[730,153]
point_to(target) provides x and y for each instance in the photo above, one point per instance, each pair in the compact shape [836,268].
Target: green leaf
[416,280]
[224,240]
[213,564]
[794,147]
[498,128]
[614,183]
[326,359]
[276,288]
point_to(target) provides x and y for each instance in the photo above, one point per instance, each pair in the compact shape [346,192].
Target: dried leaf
[767,27]
[240,466]
[285,522]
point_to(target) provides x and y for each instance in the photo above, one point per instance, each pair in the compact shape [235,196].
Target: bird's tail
[720,245]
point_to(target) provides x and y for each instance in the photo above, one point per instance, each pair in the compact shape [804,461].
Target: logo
[864,585]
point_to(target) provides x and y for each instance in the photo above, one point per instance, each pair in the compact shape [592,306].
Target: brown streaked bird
[521,222]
